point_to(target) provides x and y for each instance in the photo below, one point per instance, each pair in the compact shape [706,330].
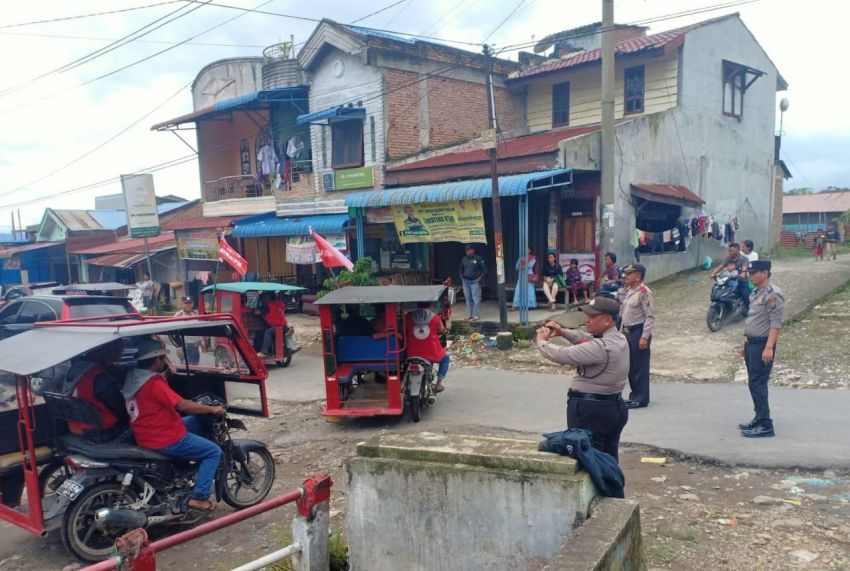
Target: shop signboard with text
[302,249]
[457,221]
[197,244]
[586,264]
[140,200]
[348,179]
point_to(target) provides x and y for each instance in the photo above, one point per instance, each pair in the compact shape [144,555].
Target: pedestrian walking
[833,237]
[147,289]
[637,319]
[820,242]
[761,331]
[601,358]
[472,272]
[190,352]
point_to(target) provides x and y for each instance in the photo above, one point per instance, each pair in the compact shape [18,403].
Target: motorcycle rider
[155,417]
[424,328]
[273,311]
[741,263]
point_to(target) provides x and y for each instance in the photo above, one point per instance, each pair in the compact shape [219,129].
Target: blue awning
[256,100]
[268,224]
[509,185]
[351,112]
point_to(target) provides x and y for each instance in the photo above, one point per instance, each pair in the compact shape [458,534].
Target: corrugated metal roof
[9,252]
[270,225]
[672,192]
[818,202]
[122,261]
[192,218]
[670,39]
[329,114]
[133,245]
[226,105]
[510,185]
[77,219]
[514,147]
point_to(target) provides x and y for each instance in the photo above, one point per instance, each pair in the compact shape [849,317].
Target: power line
[97,147]
[96,39]
[79,16]
[376,12]
[793,164]
[448,13]
[504,21]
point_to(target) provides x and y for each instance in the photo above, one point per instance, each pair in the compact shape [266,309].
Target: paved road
[694,419]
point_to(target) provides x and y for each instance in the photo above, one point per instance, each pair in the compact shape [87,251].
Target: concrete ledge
[479,451]
[609,540]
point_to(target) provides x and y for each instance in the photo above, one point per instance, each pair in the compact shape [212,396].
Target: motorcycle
[417,384]
[725,301]
[114,488]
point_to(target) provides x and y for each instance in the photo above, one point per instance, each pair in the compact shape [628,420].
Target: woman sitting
[553,277]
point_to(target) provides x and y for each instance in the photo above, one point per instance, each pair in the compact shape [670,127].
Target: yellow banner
[459,221]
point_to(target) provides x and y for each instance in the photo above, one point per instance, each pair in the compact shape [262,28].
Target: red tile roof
[515,147]
[192,218]
[670,191]
[668,41]
[817,202]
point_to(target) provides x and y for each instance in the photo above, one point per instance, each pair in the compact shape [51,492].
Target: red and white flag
[227,254]
[331,257]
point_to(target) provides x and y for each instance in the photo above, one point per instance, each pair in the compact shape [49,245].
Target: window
[347,144]
[737,79]
[561,104]
[34,311]
[634,85]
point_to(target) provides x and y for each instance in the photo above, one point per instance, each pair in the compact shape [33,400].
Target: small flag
[331,257]
[227,254]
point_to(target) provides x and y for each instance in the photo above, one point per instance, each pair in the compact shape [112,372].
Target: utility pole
[497,206]
[606,201]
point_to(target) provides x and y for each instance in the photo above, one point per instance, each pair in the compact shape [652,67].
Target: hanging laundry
[268,159]
[735,223]
[294,147]
[728,233]
[667,236]
[642,238]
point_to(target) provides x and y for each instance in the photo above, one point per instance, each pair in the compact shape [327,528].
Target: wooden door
[578,234]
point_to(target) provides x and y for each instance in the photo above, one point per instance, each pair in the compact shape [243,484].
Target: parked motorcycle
[417,385]
[116,487]
[725,302]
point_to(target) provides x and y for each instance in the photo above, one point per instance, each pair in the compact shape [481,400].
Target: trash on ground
[804,555]
[654,460]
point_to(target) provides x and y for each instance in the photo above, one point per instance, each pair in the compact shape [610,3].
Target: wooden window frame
[555,111]
[736,75]
[348,162]
[627,97]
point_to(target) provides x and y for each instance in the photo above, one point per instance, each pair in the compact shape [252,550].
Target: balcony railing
[246,186]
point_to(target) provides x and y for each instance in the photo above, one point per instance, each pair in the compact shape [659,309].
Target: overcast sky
[51,122]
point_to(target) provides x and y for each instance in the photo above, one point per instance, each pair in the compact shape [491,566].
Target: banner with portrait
[457,221]
[302,249]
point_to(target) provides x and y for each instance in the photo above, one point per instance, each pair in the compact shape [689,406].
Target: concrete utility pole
[498,243]
[606,202]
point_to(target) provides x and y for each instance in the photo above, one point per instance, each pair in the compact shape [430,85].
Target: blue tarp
[509,185]
[330,113]
[269,224]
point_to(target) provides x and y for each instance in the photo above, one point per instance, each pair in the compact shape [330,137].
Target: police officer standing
[637,318]
[601,358]
[761,330]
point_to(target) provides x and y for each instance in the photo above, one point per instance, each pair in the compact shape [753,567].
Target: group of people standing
[827,241]
[615,346]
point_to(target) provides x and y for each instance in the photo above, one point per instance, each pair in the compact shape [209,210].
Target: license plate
[70,489]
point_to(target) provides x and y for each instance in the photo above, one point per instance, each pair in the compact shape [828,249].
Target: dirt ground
[694,515]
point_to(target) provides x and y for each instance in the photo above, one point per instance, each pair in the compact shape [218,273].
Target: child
[820,240]
[574,281]
[731,272]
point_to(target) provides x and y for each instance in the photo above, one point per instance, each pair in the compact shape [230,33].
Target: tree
[799,191]
[362,275]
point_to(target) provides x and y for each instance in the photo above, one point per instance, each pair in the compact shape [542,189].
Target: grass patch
[664,555]
[781,253]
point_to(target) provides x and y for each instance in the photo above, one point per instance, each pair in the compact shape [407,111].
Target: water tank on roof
[280,68]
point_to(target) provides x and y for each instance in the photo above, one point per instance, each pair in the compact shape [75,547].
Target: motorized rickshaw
[51,479]
[352,355]
[243,300]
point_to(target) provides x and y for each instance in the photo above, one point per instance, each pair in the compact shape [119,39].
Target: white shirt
[752,256]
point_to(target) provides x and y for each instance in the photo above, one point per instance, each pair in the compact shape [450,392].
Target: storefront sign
[302,249]
[140,199]
[197,244]
[586,264]
[383,215]
[460,221]
[353,178]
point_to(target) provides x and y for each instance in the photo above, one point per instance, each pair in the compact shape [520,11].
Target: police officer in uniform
[637,318]
[761,330]
[601,358]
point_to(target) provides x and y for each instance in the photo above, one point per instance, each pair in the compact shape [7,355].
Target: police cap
[599,305]
[760,266]
[639,268]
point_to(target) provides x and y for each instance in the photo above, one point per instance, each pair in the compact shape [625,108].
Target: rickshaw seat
[356,349]
[108,451]
[15,459]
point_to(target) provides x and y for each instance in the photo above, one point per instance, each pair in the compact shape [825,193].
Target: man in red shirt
[423,339]
[274,312]
[155,410]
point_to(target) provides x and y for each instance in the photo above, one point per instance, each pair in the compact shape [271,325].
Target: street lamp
[783,107]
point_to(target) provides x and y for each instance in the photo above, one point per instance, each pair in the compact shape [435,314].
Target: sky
[58,135]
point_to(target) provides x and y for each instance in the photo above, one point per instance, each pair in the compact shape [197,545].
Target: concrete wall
[429,502]
[225,79]
[660,91]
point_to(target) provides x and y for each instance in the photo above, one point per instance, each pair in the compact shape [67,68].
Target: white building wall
[226,79]
[340,79]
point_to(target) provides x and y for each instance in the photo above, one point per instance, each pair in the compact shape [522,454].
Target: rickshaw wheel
[261,469]
[287,359]
[51,476]
[79,534]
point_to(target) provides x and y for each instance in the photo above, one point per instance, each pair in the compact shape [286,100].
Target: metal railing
[310,529]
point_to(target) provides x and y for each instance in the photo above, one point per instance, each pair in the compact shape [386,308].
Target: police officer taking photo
[761,331]
[601,358]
